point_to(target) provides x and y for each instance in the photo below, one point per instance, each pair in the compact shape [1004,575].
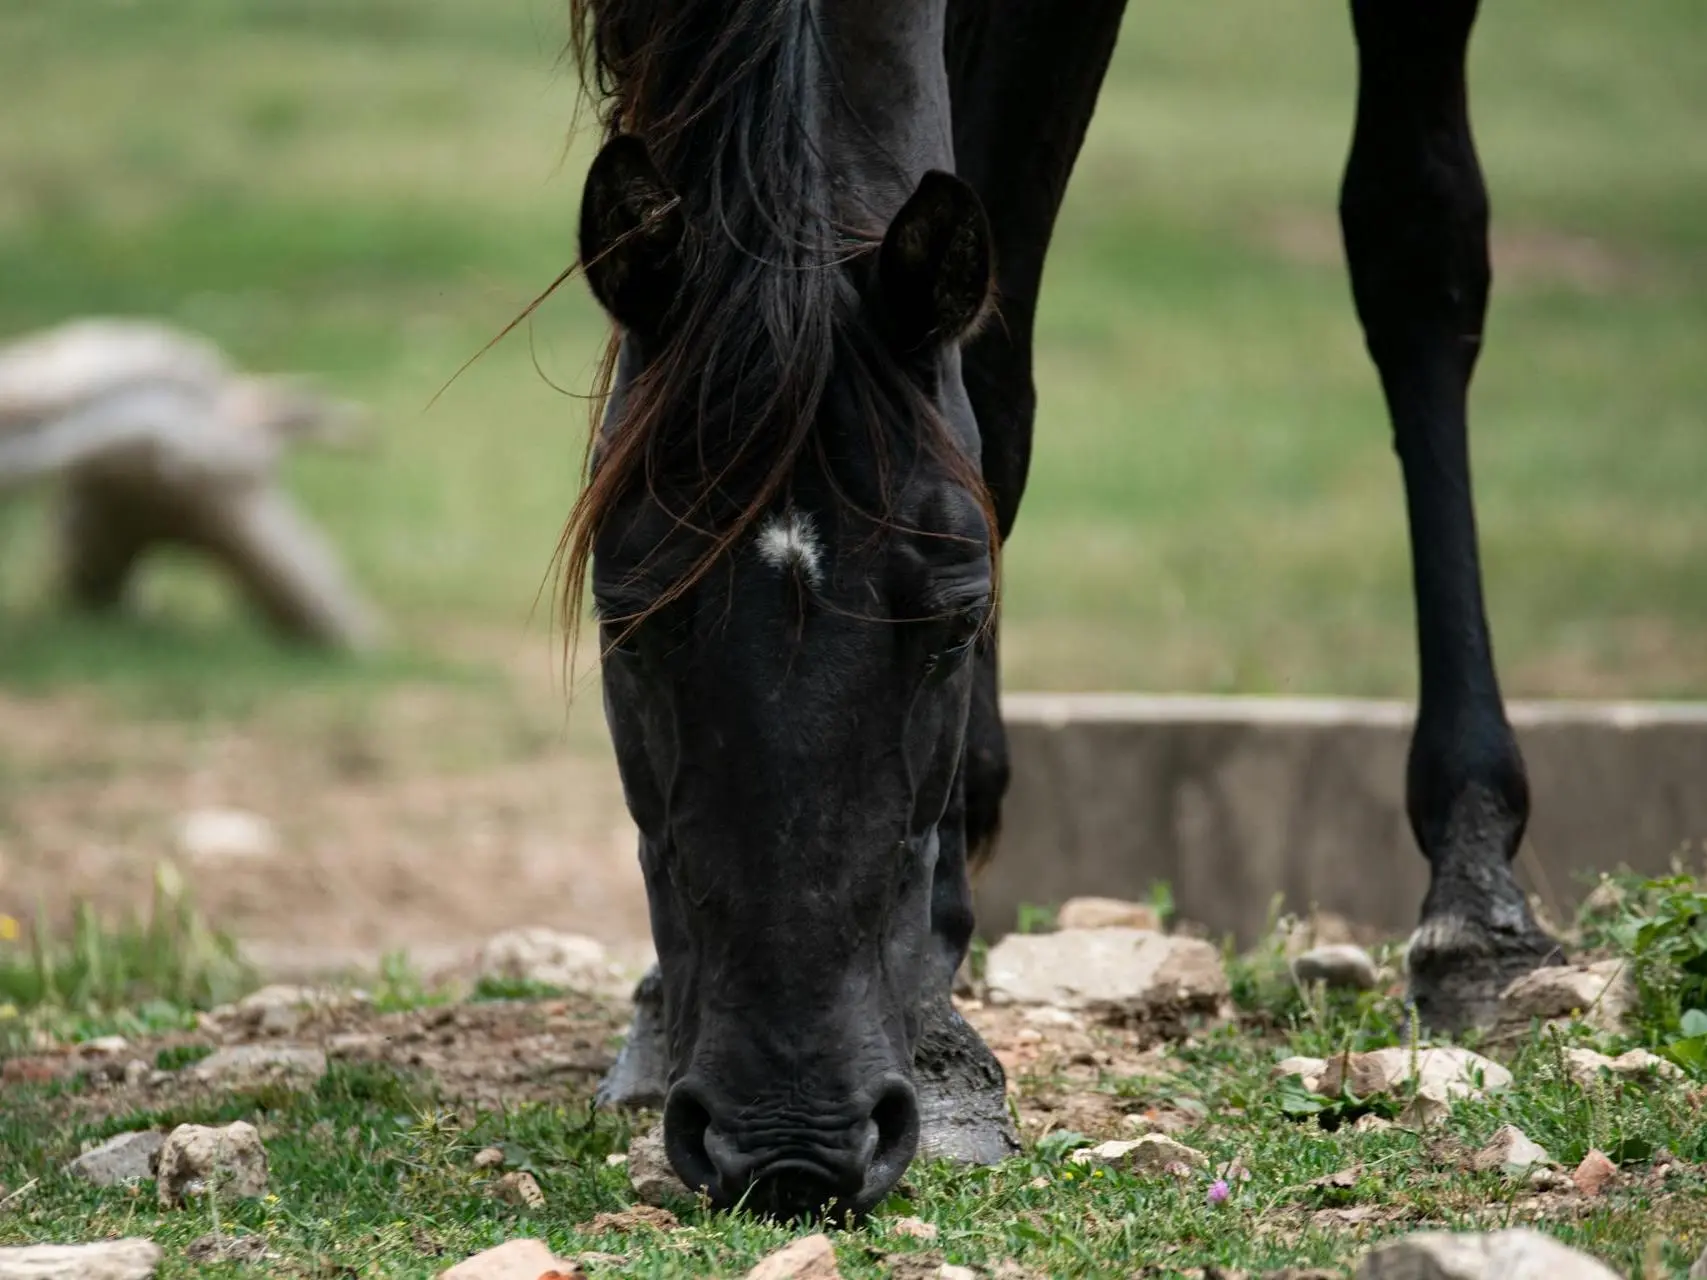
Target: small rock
[1439,1075]
[104,1047]
[1111,1152]
[809,1258]
[132,1258]
[1369,1122]
[914,1228]
[1107,913]
[1601,995]
[616,1159]
[281,1008]
[1595,1171]
[137,1073]
[1550,1180]
[1516,1253]
[649,1171]
[356,1046]
[488,1158]
[128,1157]
[1122,973]
[1320,929]
[1511,1151]
[519,1187]
[1151,1155]
[225,835]
[950,1271]
[548,958]
[641,1215]
[1341,965]
[193,1155]
[246,1250]
[1049,1016]
[1310,1071]
[524,1259]
[248,1066]
[1585,1066]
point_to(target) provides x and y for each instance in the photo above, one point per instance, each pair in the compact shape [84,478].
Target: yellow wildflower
[8,928]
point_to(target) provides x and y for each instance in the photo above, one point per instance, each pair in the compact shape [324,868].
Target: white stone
[128,1157]
[649,1170]
[1516,1253]
[1048,1016]
[279,1009]
[549,958]
[1110,1153]
[1439,1074]
[1585,1066]
[226,835]
[104,1046]
[1154,1153]
[1121,972]
[1341,965]
[809,1258]
[949,1271]
[246,1066]
[1551,1180]
[132,1258]
[1512,1152]
[524,1259]
[232,1159]
[1107,913]
[1309,1070]
[1601,995]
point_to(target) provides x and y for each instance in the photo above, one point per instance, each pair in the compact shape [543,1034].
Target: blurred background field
[368,190]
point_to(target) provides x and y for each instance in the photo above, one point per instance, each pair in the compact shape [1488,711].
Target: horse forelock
[726,96]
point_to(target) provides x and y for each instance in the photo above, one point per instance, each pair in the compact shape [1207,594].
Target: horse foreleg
[1414,212]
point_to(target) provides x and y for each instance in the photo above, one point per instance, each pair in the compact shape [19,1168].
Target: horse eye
[624,640]
[957,639]
[965,627]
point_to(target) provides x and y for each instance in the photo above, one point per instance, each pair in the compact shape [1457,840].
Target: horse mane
[723,94]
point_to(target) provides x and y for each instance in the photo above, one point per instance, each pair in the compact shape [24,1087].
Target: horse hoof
[963,1104]
[640,1077]
[1458,967]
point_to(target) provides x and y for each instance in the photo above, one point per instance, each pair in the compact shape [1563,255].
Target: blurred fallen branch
[155,439]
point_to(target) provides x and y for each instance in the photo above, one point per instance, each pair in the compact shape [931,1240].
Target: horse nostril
[895,1126]
[687,1127]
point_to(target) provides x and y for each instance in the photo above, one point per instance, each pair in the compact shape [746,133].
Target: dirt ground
[416,816]
[556,1050]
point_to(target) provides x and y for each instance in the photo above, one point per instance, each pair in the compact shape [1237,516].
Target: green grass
[373,1172]
[370,190]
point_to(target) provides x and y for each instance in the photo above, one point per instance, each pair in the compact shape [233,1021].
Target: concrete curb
[1234,800]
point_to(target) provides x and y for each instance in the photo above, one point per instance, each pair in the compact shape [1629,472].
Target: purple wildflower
[1219,1191]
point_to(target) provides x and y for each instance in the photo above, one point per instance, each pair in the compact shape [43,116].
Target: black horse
[820,227]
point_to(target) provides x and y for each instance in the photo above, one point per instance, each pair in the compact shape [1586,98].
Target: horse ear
[631,235]
[934,267]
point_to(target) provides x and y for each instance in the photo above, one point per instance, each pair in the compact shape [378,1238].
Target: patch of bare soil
[1057,1064]
[483,1054]
[419,818]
